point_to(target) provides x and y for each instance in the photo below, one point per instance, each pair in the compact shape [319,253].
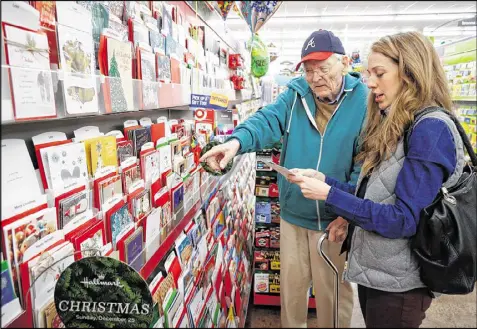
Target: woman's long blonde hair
[423,83]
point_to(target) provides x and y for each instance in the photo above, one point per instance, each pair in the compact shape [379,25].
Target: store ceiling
[357,23]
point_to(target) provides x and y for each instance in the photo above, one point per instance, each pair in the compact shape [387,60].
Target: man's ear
[345,62]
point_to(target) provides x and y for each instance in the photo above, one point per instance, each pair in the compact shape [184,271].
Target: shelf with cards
[102,96]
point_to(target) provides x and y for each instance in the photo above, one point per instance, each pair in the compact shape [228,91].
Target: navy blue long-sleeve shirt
[430,161]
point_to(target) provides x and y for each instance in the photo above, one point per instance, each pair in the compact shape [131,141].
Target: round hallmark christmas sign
[102,292]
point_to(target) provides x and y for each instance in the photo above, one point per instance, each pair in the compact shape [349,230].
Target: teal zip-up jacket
[293,117]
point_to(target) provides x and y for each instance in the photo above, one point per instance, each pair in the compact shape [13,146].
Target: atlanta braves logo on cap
[310,43]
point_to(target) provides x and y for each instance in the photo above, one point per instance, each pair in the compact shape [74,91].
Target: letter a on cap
[310,43]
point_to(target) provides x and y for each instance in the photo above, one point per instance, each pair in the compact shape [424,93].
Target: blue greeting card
[119,221]
[134,247]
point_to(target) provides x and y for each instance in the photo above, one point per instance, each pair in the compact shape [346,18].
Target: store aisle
[445,312]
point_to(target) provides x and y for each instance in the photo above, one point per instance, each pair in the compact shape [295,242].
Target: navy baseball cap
[319,46]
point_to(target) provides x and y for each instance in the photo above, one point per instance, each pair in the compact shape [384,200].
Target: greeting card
[148,75]
[110,188]
[140,137]
[150,166]
[158,42]
[163,68]
[120,219]
[31,82]
[66,166]
[29,231]
[103,153]
[141,205]
[52,319]
[78,64]
[133,247]
[119,61]
[73,206]
[152,235]
[46,269]
[125,150]
[166,19]
[129,176]
[91,241]
[17,172]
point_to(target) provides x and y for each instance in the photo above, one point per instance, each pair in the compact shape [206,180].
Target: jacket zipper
[319,157]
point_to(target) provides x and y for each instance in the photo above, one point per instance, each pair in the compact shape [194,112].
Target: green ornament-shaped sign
[102,292]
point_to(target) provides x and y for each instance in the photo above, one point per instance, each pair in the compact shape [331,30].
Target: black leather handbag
[445,241]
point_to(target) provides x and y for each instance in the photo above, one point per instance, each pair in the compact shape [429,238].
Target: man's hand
[338,229]
[312,173]
[218,157]
[311,188]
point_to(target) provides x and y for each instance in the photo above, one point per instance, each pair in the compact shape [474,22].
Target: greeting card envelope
[66,166]
[103,153]
[32,85]
[77,61]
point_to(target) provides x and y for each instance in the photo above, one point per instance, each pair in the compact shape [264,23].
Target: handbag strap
[460,129]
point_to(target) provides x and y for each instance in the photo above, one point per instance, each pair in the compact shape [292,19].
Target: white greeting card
[165,158]
[19,182]
[153,226]
[77,62]
[47,270]
[31,81]
[152,167]
[66,166]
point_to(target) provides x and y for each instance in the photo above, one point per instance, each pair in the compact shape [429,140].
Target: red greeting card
[90,241]
[158,130]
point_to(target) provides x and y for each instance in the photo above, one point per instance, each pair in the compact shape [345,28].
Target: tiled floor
[445,312]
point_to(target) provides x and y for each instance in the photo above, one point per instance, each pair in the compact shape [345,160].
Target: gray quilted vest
[389,264]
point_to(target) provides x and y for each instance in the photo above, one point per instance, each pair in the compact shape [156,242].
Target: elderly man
[319,117]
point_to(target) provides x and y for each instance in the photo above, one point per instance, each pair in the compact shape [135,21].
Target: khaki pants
[300,263]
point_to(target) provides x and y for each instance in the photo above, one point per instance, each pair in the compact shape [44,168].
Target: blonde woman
[405,77]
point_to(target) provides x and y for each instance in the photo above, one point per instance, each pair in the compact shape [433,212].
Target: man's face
[325,77]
